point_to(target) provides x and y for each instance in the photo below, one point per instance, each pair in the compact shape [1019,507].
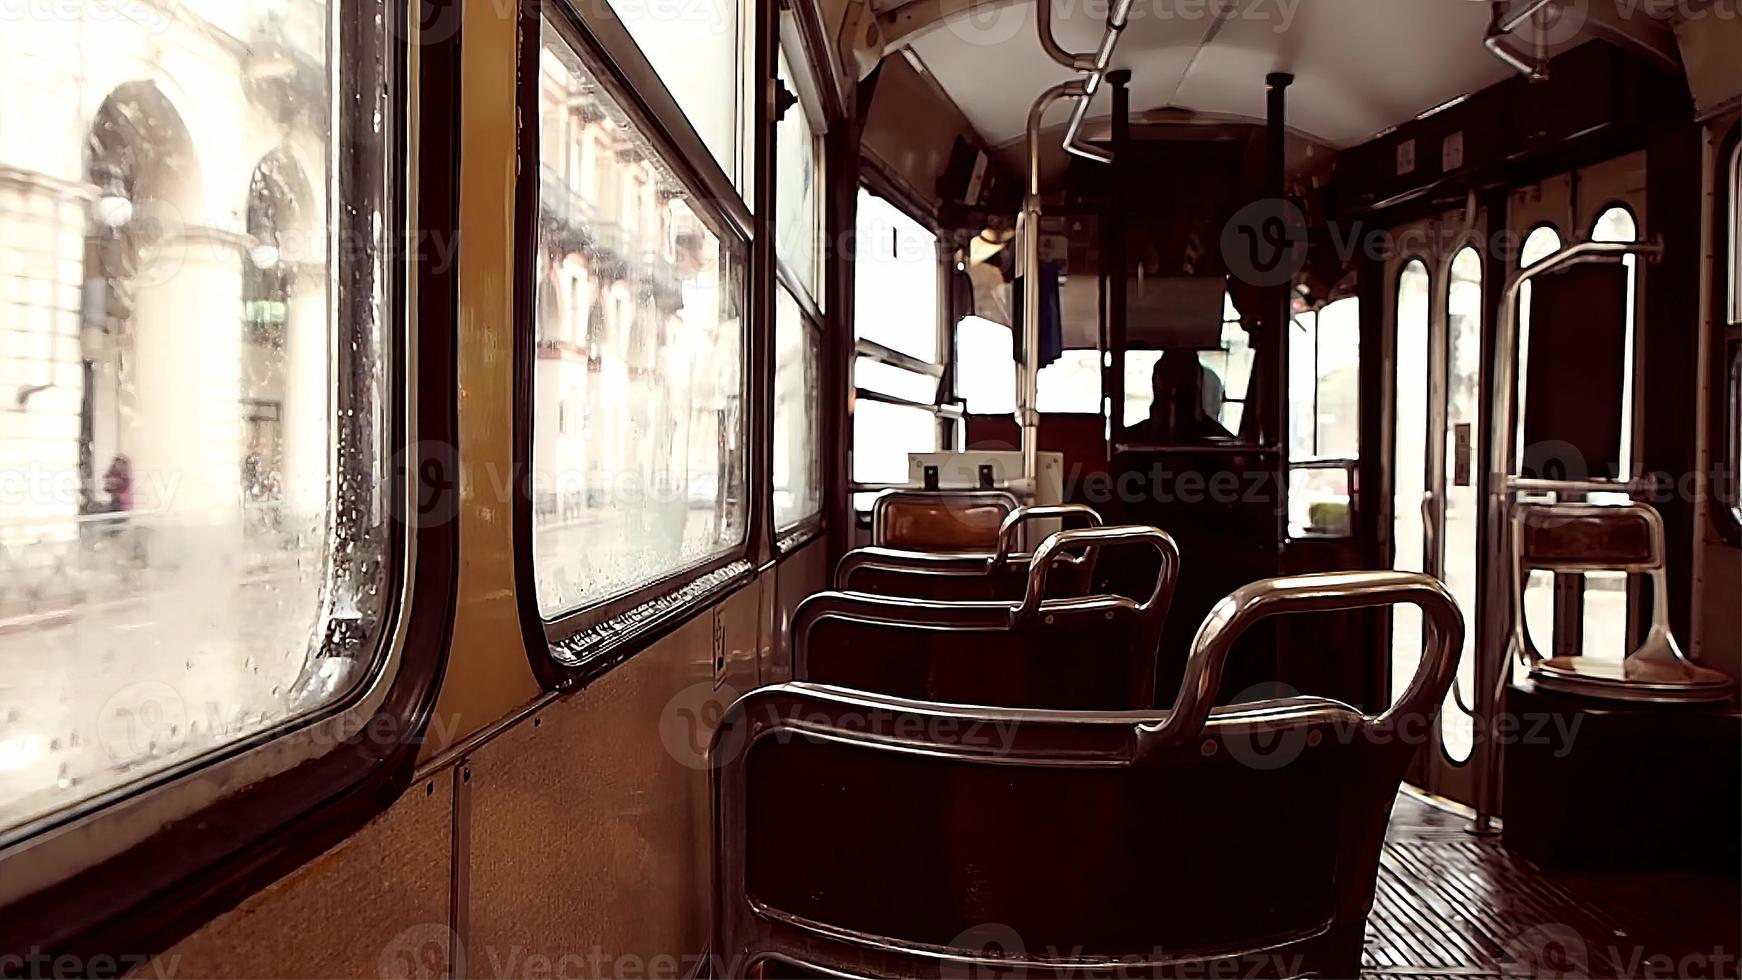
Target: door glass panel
[1461,547]
[1409,463]
[1538,589]
[196,323]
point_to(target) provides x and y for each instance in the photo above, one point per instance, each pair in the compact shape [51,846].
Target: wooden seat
[1088,652]
[1003,574]
[1580,538]
[865,835]
[939,520]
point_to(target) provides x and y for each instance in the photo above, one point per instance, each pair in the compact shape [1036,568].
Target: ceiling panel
[1360,65]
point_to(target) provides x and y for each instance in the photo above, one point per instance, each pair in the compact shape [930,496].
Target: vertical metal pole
[1273,342]
[1028,231]
[1115,242]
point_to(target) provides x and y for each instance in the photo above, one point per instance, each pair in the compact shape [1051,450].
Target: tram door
[1436,341]
[1591,615]
[1440,307]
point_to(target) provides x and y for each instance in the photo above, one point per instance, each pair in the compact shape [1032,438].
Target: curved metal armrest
[1237,613]
[1021,515]
[1055,549]
[895,559]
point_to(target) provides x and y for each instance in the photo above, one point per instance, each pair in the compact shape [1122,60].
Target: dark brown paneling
[1670,354]
[1575,376]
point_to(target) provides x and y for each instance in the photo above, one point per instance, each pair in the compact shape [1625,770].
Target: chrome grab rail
[1493,666]
[1332,591]
[1022,515]
[1055,549]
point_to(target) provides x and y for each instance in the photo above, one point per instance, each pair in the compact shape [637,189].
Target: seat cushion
[1635,679]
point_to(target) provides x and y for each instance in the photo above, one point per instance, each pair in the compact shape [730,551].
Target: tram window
[1324,417]
[870,374]
[986,374]
[1732,494]
[1413,304]
[1324,383]
[1230,366]
[1071,384]
[696,47]
[895,280]
[798,413]
[1616,224]
[638,427]
[186,560]
[883,435]
[985,366]
[1736,235]
[800,173]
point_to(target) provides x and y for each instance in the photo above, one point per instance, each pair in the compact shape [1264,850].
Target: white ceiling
[1360,66]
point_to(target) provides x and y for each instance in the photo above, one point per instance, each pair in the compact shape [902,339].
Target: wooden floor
[1452,905]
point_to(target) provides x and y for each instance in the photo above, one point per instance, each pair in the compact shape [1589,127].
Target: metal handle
[1053,550]
[1021,515]
[1333,591]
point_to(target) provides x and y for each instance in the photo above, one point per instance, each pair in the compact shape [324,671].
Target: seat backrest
[968,575]
[1087,652]
[1579,538]
[865,835]
[939,520]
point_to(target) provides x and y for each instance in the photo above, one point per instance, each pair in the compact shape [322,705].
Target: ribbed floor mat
[1450,905]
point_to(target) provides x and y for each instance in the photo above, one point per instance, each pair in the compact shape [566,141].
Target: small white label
[1452,152]
[1406,157]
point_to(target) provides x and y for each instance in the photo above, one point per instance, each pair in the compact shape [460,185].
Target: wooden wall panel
[374,906]
[588,840]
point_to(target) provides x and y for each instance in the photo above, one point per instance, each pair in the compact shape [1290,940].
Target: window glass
[638,427]
[188,554]
[1325,383]
[1071,384]
[883,435]
[1733,493]
[694,46]
[799,164]
[1617,225]
[1409,461]
[896,280]
[1462,502]
[985,366]
[1228,373]
[798,413]
[1324,416]
[1736,235]
[875,375]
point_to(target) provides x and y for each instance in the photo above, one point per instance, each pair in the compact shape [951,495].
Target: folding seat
[859,834]
[939,520]
[1580,538]
[1002,574]
[1093,652]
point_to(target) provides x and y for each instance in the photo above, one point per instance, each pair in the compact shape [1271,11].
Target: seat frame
[745,934]
[983,615]
[1004,559]
[1659,653]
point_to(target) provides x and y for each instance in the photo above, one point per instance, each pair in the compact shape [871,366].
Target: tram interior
[1007,488]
